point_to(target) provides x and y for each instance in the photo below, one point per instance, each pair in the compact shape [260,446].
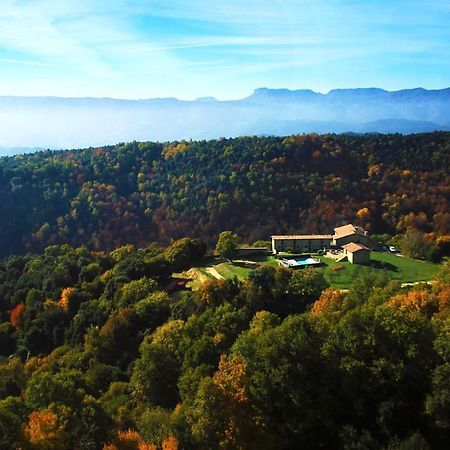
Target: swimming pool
[301,261]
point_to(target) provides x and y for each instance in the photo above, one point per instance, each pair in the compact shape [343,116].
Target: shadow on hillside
[384,266]
[246,265]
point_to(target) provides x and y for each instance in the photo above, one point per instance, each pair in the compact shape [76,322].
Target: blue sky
[194,48]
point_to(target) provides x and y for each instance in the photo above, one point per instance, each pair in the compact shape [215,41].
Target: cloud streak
[141,48]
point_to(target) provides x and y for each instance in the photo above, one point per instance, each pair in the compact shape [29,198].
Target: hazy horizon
[55,122]
[248,94]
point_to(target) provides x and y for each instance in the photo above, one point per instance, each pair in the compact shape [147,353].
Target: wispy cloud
[124,47]
[24,62]
[34,29]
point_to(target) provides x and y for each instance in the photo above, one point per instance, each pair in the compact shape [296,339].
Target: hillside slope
[140,192]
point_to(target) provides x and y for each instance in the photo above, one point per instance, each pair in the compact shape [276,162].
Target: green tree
[414,244]
[306,285]
[45,388]
[136,290]
[155,424]
[438,401]
[280,361]
[392,351]
[13,413]
[117,341]
[12,377]
[184,252]
[116,402]
[155,375]
[227,244]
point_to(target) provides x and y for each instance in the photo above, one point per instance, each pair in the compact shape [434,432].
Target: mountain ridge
[78,122]
[255,91]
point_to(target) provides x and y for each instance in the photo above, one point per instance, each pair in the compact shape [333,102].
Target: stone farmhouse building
[301,243]
[357,253]
[350,233]
[313,242]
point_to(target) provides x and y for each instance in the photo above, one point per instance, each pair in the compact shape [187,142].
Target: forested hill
[97,354]
[256,186]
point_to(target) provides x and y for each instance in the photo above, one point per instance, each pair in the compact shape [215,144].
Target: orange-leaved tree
[16,316]
[65,298]
[44,432]
[129,440]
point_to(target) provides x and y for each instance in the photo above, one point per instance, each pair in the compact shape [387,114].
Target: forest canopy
[254,186]
[97,352]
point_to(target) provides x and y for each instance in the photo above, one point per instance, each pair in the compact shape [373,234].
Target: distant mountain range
[29,123]
[10,151]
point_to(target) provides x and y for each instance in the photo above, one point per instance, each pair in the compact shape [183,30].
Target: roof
[348,230]
[303,236]
[353,248]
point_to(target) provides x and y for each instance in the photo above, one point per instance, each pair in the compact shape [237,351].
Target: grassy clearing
[395,267]
[197,276]
[241,270]
[200,274]
[229,270]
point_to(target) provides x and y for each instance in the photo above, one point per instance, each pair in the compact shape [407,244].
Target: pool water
[305,261]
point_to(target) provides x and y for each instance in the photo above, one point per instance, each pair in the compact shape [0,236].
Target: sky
[225,49]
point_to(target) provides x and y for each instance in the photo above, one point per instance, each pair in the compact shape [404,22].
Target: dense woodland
[98,353]
[142,192]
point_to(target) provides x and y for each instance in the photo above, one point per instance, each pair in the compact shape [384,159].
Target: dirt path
[212,271]
[416,282]
[196,275]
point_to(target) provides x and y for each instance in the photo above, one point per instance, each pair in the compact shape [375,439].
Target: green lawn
[229,270]
[237,269]
[395,267]
[226,269]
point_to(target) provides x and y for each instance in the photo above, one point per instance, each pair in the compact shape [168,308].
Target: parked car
[392,249]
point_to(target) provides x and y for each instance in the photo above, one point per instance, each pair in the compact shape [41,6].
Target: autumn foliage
[65,297]
[416,300]
[170,443]
[43,432]
[63,302]
[132,440]
[431,302]
[240,422]
[16,315]
[231,379]
[330,301]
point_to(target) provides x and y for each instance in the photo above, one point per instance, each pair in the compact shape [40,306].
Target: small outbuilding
[357,253]
[243,251]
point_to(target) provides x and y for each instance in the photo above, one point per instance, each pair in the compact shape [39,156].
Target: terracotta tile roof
[247,247]
[352,247]
[348,230]
[303,236]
